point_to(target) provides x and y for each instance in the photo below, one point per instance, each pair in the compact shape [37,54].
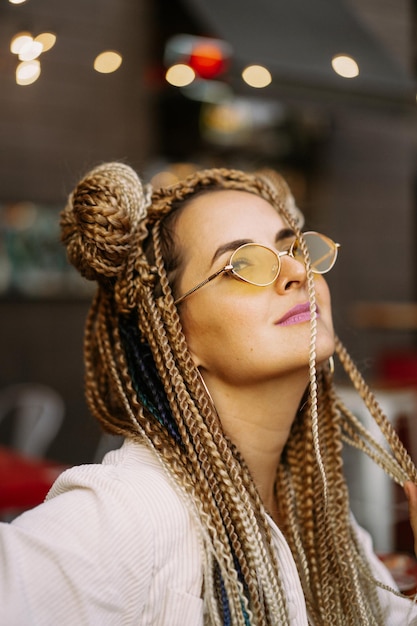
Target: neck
[258,421]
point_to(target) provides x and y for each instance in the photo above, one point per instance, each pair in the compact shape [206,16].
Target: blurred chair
[37,412]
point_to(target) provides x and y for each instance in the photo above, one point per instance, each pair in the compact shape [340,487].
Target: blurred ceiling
[73,117]
[297,39]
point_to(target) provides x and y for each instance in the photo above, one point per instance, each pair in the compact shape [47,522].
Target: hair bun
[100,219]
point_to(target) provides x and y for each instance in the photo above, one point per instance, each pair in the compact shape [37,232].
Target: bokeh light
[107,62]
[19,41]
[345,66]
[28,72]
[257,76]
[47,40]
[180,75]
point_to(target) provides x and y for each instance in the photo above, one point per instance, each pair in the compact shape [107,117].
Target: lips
[297,315]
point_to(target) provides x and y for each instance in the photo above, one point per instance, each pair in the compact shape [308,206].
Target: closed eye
[241,264]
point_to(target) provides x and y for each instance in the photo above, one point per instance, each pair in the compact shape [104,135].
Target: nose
[292,274]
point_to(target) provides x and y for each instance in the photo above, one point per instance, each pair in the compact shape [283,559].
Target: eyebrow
[231,246]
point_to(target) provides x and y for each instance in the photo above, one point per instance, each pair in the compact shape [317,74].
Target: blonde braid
[338,551]
[406,469]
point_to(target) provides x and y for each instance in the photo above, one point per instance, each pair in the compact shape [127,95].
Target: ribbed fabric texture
[115,545]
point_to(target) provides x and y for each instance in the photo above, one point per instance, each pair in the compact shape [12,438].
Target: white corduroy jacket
[115,545]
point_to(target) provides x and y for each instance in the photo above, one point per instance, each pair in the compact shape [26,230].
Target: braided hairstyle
[141,382]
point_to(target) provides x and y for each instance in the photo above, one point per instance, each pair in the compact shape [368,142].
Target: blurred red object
[24,481]
[398,368]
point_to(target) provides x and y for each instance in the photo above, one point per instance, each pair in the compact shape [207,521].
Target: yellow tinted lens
[255,264]
[322,251]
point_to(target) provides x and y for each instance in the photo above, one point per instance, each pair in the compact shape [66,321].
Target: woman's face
[235,331]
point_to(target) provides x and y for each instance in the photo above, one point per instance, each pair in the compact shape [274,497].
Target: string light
[107,62]
[180,75]
[28,49]
[47,40]
[345,66]
[257,76]
[28,72]
[20,40]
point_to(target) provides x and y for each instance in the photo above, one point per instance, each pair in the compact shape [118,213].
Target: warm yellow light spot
[31,50]
[17,1]
[345,66]
[47,40]
[225,119]
[180,75]
[107,62]
[27,72]
[20,40]
[257,76]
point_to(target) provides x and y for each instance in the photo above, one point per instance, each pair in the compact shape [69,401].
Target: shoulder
[134,469]
[131,480]
[131,498]
[121,526]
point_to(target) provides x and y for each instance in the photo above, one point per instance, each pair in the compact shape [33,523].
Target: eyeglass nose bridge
[290,253]
[285,253]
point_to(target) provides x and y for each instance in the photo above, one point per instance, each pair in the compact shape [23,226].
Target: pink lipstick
[297,315]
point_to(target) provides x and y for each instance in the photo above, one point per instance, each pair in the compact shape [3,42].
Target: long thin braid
[400,453]
[338,541]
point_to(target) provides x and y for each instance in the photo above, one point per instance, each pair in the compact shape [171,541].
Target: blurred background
[323,92]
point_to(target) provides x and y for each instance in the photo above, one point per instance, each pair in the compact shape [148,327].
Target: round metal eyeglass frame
[322,252]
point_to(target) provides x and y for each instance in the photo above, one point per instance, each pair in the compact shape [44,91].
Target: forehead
[217,216]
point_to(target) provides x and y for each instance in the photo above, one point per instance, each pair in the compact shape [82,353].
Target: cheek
[213,329]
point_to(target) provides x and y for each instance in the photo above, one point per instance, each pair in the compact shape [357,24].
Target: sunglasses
[259,265]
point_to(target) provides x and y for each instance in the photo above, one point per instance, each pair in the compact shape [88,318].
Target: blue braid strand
[145,378]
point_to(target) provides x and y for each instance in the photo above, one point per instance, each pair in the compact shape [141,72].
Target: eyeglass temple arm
[227,268]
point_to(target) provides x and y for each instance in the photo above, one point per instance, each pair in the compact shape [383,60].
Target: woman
[209,348]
